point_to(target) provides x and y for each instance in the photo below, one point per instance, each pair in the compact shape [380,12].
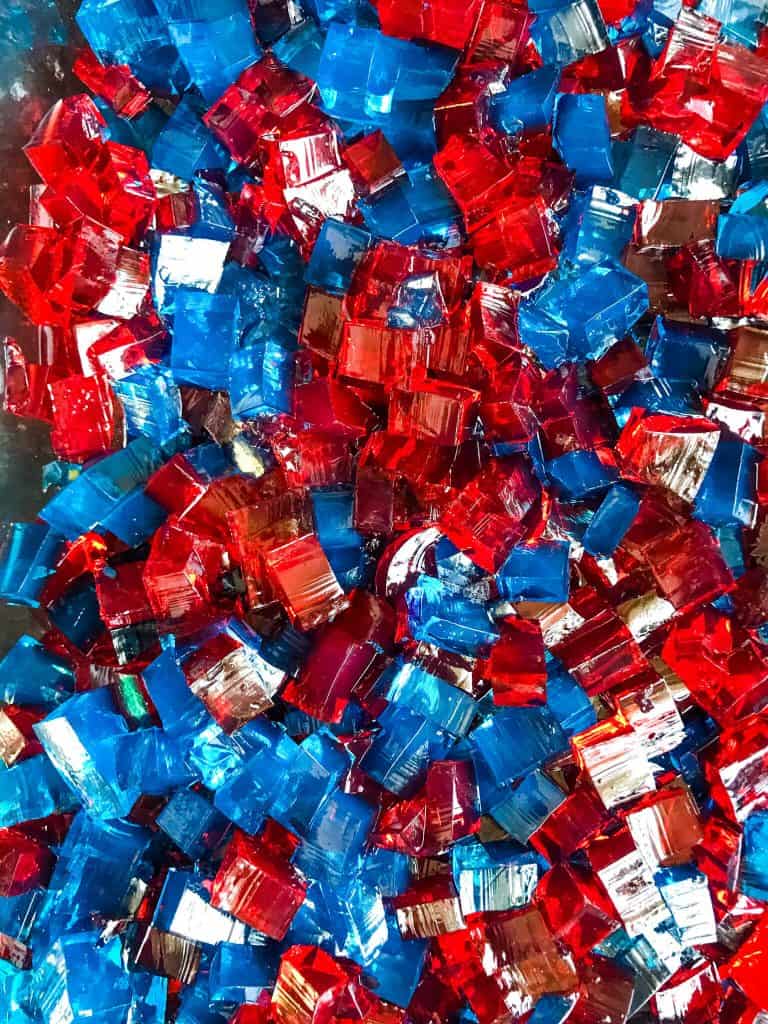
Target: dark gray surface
[37,78]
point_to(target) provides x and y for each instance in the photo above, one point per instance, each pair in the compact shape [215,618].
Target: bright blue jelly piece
[31,674]
[527,806]
[434,699]
[611,521]
[527,103]
[514,741]
[754,872]
[204,324]
[727,495]
[185,145]
[28,555]
[81,739]
[335,255]
[579,474]
[442,617]
[582,136]
[535,573]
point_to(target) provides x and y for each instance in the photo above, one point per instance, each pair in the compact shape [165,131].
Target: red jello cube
[302,576]
[433,411]
[179,573]
[345,652]
[723,667]
[571,825]
[257,887]
[448,22]
[576,907]
[25,863]
[516,669]
[122,597]
[87,420]
[372,162]
[495,511]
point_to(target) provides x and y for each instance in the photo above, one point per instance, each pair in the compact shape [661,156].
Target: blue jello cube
[438,615]
[579,474]
[611,521]
[28,555]
[133,32]
[514,741]
[684,352]
[434,699]
[30,790]
[527,103]
[216,48]
[335,255]
[727,495]
[185,145]
[204,324]
[403,748]
[31,674]
[754,873]
[538,572]
[81,739]
[191,822]
[582,136]
[240,972]
[527,806]
[261,379]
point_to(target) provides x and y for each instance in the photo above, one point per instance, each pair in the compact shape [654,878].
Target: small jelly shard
[82,739]
[668,451]
[257,886]
[519,947]
[525,806]
[629,882]
[611,754]
[85,418]
[446,22]
[571,824]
